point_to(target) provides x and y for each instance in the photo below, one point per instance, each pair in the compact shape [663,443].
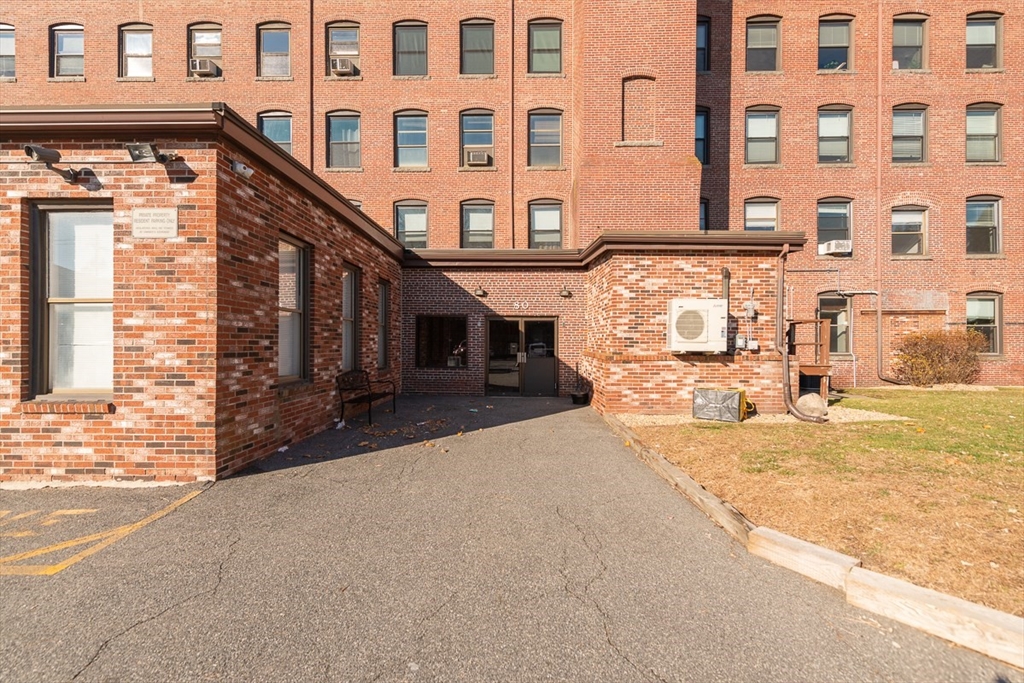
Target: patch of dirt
[944,521]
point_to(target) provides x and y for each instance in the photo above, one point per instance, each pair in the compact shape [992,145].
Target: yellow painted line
[101,540]
[16,518]
[54,517]
[17,534]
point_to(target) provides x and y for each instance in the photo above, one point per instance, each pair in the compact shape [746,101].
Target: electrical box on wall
[698,326]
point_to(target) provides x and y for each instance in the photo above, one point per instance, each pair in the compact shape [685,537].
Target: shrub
[940,357]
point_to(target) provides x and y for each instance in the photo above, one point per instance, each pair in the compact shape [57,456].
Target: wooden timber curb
[993,633]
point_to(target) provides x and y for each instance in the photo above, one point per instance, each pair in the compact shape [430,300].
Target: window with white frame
[205,51]
[908,134]
[983,225]
[700,147]
[343,140]
[834,44]
[762,136]
[68,50]
[908,43]
[545,225]
[277,125]
[836,309]
[7,55]
[984,31]
[411,139]
[137,51]
[477,47]
[761,214]
[834,227]
[909,231]
[343,43]
[545,48]
[834,136]
[763,44]
[984,315]
[410,49]
[477,225]
[292,308]
[477,138]
[73,322]
[275,51]
[411,224]
[545,143]
[983,124]
[349,318]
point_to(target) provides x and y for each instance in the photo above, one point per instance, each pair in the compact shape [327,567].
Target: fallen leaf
[364,443]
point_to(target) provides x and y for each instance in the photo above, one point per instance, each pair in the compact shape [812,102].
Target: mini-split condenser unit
[698,326]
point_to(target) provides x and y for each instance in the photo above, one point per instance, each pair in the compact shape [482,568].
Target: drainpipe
[780,346]
[880,235]
[512,120]
[311,123]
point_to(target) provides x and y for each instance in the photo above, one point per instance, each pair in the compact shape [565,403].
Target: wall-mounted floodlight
[145,152]
[50,157]
[241,169]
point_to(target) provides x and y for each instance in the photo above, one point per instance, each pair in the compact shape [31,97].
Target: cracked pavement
[519,542]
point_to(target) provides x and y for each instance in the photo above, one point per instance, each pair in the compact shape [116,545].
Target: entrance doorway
[521,358]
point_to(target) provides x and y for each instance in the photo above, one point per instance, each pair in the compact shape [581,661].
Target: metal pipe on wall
[781,346]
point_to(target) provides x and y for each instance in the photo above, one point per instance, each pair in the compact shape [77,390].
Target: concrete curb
[993,633]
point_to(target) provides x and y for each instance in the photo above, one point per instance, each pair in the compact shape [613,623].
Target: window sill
[71,404]
[923,257]
[545,168]
[477,77]
[912,71]
[354,169]
[544,75]
[847,357]
[639,143]
[911,164]
[66,79]
[986,257]
[826,72]
[986,163]
[423,77]
[762,166]
[343,78]
[773,72]
[136,79]
[836,164]
[274,78]
[993,70]
[476,169]
[201,79]
[8,79]
[411,169]
[991,356]
[707,72]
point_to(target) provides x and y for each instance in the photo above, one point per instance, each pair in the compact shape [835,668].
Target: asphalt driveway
[463,539]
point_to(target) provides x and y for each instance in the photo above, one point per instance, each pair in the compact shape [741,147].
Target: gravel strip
[835,414]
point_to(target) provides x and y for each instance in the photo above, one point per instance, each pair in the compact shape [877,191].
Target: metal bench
[356,386]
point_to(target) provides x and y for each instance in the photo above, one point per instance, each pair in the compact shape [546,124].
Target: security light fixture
[50,157]
[146,152]
[480,292]
[565,293]
[242,170]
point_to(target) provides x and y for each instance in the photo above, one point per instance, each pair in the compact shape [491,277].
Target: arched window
[275,50]
[985,40]
[277,125]
[762,144]
[478,224]
[546,224]
[410,48]
[985,315]
[67,43]
[411,223]
[205,51]
[477,47]
[761,214]
[476,127]
[545,36]
[545,138]
[763,44]
[343,140]
[343,48]
[7,51]
[136,51]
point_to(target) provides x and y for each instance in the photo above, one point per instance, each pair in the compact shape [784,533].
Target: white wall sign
[155,223]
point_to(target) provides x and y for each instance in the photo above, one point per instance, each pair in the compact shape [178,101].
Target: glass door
[521,357]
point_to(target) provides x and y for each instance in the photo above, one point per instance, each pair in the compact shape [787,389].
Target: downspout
[880,241]
[512,120]
[781,346]
[311,122]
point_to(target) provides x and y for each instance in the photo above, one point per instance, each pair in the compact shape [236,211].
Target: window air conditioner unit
[202,67]
[836,247]
[698,326]
[342,67]
[477,157]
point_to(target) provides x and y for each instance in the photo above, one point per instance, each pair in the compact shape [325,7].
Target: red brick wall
[196,391]
[627,347]
[871,181]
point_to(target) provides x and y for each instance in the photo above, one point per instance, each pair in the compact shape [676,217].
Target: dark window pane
[410,50]
[478,49]
[440,342]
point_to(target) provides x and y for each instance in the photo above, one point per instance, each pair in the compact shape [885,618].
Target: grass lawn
[936,499]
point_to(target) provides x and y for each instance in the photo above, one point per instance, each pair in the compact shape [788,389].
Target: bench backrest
[354,380]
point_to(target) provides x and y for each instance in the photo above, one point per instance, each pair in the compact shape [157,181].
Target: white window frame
[536,234]
[975,134]
[766,114]
[904,213]
[752,222]
[59,56]
[8,57]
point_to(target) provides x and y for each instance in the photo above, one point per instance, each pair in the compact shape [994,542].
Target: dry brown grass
[937,499]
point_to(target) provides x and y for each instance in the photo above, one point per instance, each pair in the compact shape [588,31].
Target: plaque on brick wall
[155,223]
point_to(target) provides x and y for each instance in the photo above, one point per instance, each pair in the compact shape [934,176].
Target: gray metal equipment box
[724,405]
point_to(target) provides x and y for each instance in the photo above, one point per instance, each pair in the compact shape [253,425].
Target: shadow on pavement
[418,419]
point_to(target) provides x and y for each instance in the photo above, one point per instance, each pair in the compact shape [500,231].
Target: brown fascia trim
[190,119]
[606,242]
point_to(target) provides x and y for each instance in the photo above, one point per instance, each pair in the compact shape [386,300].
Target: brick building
[560,172]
